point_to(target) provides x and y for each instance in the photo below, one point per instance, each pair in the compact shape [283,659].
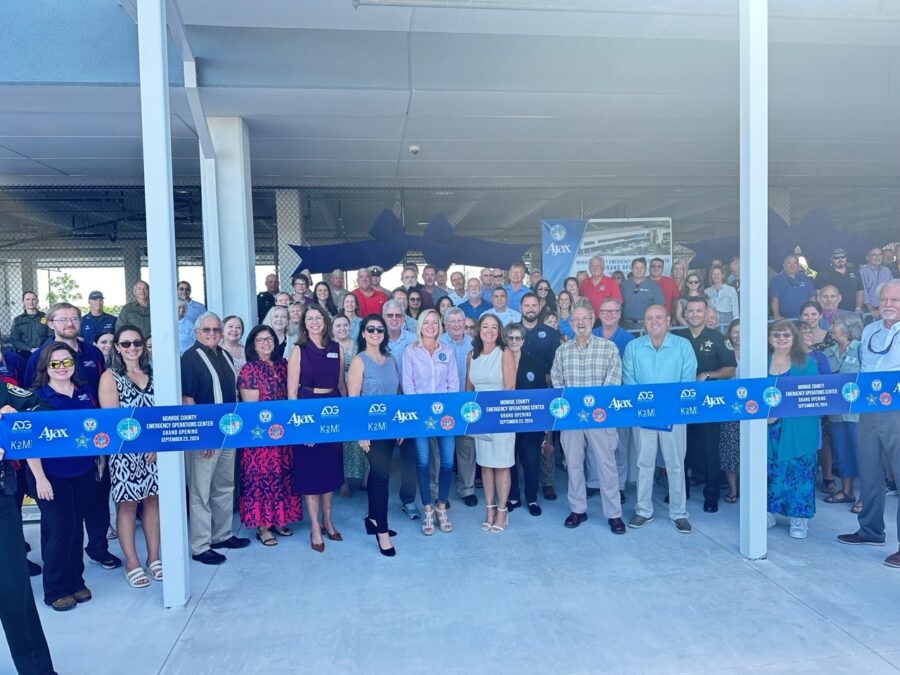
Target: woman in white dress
[491,367]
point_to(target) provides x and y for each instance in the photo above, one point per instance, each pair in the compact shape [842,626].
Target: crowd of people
[437,333]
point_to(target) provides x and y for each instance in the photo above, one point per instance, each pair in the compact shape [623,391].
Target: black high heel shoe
[387,552]
[371,528]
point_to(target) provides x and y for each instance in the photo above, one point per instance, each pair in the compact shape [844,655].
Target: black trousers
[528,455]
[62,533]
[408,480]
[703,446]
[380,454]
[18,613]
[96,518]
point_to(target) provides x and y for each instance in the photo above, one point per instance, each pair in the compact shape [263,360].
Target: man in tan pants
[208,376]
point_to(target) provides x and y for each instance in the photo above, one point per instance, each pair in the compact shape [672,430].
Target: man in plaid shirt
[589,361]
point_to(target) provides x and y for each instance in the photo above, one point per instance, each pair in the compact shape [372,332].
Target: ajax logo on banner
[296,420]
[620,403]
[49,434]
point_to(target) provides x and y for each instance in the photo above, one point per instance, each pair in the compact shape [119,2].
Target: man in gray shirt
[638,293]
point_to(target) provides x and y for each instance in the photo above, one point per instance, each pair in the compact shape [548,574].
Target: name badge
[333,355]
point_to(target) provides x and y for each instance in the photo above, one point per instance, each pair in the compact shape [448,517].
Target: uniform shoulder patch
[18,391]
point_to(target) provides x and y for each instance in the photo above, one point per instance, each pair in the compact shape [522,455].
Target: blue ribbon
[204,427]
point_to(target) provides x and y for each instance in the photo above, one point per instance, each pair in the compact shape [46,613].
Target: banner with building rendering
[568,244]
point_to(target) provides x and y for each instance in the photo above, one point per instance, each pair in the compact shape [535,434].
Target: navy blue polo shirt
[89,365]
[541,343]
[791,293]
[81,399]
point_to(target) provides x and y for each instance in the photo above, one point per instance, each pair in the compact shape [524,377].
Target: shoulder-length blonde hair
[421,321]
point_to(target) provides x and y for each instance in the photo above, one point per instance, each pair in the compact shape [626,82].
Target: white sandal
[428,523]
[496,529]
[486,526]
[137,578]
[155,568]
[443,521]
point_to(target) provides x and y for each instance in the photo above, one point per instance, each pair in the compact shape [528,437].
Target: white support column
[754,104]
[235,206]
[288,230]
[212,262]
[157,145]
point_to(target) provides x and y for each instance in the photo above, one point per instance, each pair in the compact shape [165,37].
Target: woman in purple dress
[315,370]
[267,500]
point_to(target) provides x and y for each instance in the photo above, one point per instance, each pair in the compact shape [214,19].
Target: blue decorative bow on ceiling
[439,243]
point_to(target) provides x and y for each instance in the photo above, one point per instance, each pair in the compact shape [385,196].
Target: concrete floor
[536,599]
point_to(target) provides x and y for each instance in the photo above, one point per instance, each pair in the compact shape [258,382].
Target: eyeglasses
[67,362]
[375,329]
[514,338]
[206,330]
[610,311]
[264,339]
[128,344]
[780,335]
[66,319]
[393,316]
[314,318]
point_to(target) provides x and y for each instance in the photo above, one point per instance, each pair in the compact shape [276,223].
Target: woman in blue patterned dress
[793,441]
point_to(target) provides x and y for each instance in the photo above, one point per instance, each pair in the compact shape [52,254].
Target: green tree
[63,288]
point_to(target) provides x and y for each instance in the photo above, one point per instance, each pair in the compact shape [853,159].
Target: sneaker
[108,562]
[639,521]
[890,488]
[770,519]
[411,511]
[799,528]
[855,539]
[683,525]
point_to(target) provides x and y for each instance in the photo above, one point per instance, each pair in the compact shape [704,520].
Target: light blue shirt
[515,297]
[876,338]
[185,334]
[460,350]
[399,346]
[506,315]
[674,361]
[457,299]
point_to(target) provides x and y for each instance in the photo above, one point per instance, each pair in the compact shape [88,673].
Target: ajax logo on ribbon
[470,411]
[559,408]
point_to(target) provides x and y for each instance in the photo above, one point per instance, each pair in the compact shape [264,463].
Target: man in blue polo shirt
[789,289]
[475,306]
[96,321]
[516,289]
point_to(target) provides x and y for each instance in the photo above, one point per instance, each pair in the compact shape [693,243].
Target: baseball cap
[376,270]
[838,252]
[95,295]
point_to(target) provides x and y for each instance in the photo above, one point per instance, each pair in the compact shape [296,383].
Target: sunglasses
[67,362]
[127,344]
[375,329]
[206,330]
[781,335]
[393,316]
[411,300]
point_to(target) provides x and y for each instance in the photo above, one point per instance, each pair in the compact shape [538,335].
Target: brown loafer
[616,525]
[574,520]
[893,560]
[82,596]
[64,604]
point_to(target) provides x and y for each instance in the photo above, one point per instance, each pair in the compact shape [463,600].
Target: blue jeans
[447,448]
